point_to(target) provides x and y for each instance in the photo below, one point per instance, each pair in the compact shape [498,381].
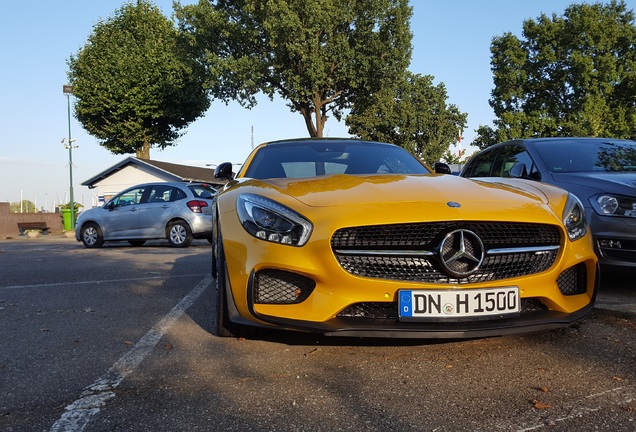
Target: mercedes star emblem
[461,253]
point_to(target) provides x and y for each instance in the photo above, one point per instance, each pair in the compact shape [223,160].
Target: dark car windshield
[566,156]
[313,158]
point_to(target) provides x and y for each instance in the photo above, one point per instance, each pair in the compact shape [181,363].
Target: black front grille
[389,310]
[573,281]
[410,252]
[374,310]
[281,287]
[620,250]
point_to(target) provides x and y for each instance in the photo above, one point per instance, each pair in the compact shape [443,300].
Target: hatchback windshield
[588,155]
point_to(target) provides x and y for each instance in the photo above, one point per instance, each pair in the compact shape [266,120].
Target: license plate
[427,304]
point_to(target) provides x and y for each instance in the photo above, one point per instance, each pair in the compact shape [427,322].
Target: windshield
[311,158]
[588,155]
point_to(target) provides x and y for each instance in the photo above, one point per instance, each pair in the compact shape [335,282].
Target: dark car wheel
[137,242]
[91,235]
[222,325]
[179,234]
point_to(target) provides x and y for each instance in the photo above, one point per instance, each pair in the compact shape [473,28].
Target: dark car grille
[410,252]
[389,310]
[622,250]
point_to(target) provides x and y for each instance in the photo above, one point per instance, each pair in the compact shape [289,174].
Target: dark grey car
[601,172]
[174,211]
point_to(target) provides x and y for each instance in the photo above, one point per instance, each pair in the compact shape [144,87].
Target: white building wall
[129,176]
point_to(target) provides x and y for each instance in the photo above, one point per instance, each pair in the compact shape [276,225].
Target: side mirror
[441,168]
[224,171]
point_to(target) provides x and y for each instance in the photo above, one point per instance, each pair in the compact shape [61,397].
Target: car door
[121,220]
[155,210]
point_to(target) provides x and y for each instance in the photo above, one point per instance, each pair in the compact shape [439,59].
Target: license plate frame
[442,305]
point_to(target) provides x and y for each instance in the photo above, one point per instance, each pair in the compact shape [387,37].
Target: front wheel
[91,235]
[222,325]
[179,234]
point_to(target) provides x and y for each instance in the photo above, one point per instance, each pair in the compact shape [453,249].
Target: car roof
[565,139]
[324,140]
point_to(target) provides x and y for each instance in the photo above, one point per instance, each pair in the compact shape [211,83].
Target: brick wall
[9,221]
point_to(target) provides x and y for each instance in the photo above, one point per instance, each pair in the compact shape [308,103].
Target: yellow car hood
[341,189]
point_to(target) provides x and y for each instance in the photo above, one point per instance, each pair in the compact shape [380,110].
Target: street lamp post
[68,91]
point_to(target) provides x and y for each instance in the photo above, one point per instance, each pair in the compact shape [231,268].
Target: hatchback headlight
[614,205]
[271,221]
[574,218]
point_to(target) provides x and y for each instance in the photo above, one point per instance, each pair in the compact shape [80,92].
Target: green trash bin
[66,219]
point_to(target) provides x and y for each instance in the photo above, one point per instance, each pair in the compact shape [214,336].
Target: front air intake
[281,287]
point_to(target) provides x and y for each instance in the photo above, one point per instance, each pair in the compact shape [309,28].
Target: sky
[451,42]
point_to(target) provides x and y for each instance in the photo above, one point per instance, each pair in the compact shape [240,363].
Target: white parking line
[78,414]
[97,282]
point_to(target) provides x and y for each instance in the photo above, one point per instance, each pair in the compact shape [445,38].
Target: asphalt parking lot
[117,339]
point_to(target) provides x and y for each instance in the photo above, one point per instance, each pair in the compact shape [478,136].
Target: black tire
[179,234]
[222,326]
[92,236]
[137,242]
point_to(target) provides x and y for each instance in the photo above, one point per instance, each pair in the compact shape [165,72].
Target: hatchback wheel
[179,234]
[92,236]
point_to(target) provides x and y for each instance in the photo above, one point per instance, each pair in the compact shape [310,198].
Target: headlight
[574,218]
[268,220]
[614,205]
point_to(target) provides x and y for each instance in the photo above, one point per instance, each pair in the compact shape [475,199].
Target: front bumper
[532,318]
[614,240]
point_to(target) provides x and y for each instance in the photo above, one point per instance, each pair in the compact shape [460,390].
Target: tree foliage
[570,75]
[134,83]
[318,55]
[24,206]
[412,113]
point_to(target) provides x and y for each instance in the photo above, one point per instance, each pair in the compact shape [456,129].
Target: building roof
[175,172]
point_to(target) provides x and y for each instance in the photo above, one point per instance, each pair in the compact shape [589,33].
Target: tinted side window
[510,156]
[177,194]
[130,197]
[159,194]
[481,164]
[204,191]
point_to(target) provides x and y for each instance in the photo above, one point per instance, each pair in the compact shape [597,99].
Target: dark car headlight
[574,218]
[271,221]
[614,205]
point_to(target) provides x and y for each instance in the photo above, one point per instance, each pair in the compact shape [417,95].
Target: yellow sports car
[356,238]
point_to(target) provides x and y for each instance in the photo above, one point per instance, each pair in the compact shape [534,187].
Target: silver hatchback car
[178,212]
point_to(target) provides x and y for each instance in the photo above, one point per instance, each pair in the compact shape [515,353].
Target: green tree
[412,113]
[318,55]
[570,75]
[134,82]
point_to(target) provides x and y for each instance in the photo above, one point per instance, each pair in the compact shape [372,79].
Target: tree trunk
[143,152]
[305,111]
[310,113]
